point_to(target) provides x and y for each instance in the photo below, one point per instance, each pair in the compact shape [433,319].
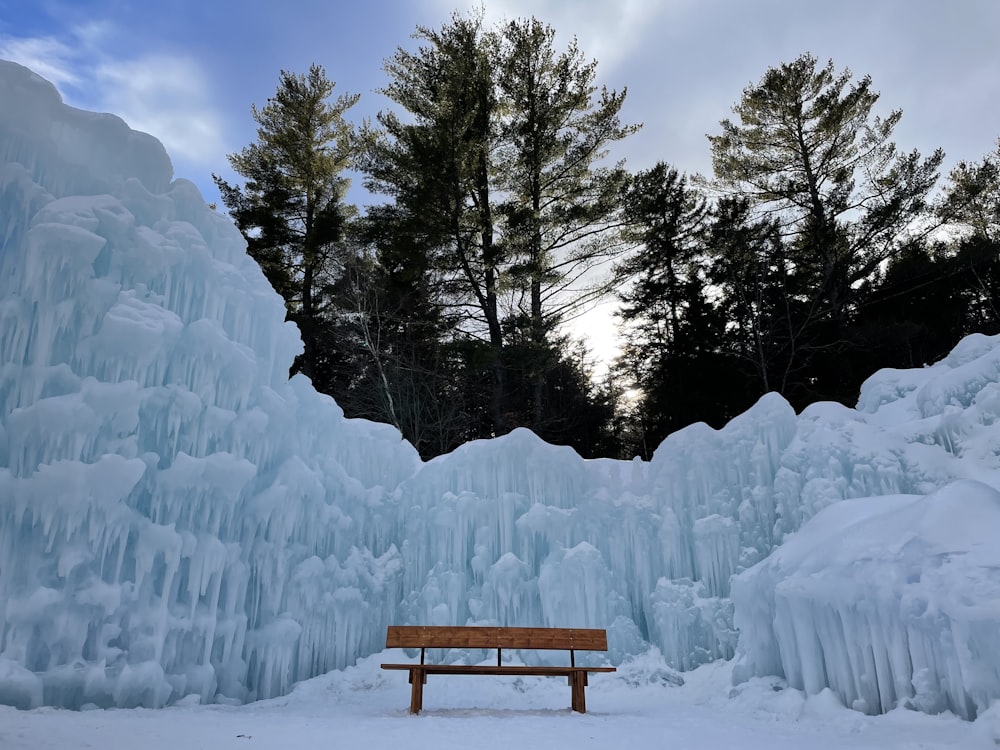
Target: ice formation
[177,518]
[887,601]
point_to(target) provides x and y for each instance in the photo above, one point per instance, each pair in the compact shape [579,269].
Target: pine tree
[807,148]
[913,311]
[496,164]
[411,367]
[972,197]
[759,295]
[675,353]
[435,165]
[971,202]
[291,209]
[562,205]
[665,220]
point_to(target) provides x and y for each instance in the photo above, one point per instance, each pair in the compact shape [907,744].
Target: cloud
[166,95]
[607,32]
[48,57]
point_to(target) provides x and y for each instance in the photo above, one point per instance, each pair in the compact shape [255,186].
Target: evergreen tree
[932,294]
[435,165]
[971,202]
[561,206]
[665,219]
[972,197]
[808,148]
[411,368]
[496,165]
[580,411]
[674,355]
[913,312]
[292,211]
[977,263]
[758,294]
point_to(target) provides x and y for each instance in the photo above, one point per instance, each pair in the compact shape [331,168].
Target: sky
[187,71]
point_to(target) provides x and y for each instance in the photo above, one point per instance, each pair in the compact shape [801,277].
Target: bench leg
[417,680]
[579,702]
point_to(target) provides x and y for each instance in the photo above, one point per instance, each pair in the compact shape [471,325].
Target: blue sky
[187,71]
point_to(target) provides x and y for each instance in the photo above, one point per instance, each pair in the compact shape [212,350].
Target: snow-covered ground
[366,707]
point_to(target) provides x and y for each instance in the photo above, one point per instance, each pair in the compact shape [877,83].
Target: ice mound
[887,601]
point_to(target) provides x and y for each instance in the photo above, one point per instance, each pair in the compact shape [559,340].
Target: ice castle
[178,518]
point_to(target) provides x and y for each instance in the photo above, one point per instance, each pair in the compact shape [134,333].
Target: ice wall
[890,600]
[178,518]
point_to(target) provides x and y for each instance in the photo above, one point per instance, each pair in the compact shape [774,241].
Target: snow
[181,524]
[364,706]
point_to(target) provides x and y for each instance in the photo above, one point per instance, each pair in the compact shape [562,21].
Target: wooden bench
[425,637]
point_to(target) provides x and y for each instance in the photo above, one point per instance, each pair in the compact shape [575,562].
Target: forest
[817,251]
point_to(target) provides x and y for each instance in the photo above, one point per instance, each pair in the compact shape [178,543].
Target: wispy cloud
[48,57]
[608,32]
[166,95]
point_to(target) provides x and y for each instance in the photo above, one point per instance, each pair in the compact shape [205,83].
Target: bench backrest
[428,636]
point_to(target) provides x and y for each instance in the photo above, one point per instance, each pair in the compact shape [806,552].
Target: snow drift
[177,518]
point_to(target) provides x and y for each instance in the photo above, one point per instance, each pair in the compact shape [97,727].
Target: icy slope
[177,518]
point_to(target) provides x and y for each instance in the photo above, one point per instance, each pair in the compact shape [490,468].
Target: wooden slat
[487,669]
[425,636]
